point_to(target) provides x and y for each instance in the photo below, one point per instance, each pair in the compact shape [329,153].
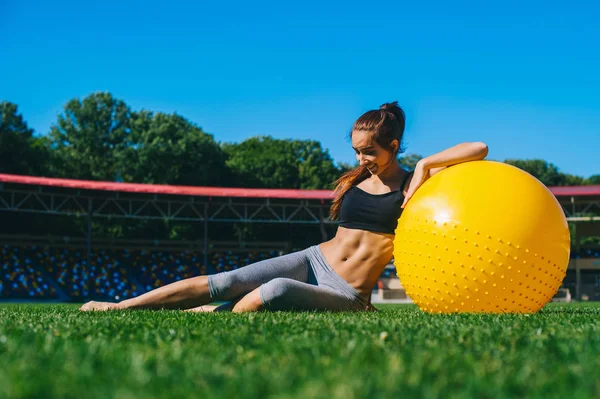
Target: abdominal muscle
[359,256]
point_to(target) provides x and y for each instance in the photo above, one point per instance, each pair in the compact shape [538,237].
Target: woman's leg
[233,285]
[288,294]
[249,303]
[182,294]
[226,286]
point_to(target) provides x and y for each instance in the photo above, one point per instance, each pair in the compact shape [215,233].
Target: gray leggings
[298,281]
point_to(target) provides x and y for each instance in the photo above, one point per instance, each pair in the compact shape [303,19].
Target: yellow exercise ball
[482,236]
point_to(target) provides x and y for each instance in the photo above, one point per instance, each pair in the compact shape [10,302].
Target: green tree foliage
[591,241]
[409,161]
[264,161]
[169,149]
[20,152]
[572,180]
[546,172]
[90,137]
[344,167]
[316,168]
[594,179]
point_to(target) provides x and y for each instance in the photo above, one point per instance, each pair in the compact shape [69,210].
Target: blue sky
[521,76]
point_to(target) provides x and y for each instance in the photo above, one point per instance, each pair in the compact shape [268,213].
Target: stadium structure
[80,268]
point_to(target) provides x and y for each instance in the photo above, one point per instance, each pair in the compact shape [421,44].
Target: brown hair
[385,124]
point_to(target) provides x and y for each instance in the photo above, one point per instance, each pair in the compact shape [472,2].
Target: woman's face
[370,154]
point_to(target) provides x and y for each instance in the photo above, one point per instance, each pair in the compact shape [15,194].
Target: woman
[337,275]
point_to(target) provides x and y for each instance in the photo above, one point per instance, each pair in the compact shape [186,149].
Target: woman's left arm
[460,153]
[429,166]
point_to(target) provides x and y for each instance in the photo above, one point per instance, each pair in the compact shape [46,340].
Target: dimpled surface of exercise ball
[482,237]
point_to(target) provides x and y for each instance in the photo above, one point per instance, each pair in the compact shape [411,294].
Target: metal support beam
[205,244]
[217,209]
[89,234]
[577,238]
[191,209]
[577,280]
[322,226]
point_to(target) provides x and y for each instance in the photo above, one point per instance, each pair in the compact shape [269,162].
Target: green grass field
[53,351]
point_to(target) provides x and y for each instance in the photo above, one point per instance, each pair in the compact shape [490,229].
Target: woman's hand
[420,174]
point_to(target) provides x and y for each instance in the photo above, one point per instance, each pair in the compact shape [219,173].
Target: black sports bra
[372,212]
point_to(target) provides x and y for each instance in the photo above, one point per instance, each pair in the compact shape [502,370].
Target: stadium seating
[19,276]
[112,274]
[230,260]
[586,253]
[157,268]
[62,272]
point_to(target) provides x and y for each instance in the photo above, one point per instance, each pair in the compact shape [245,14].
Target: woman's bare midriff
[359,256]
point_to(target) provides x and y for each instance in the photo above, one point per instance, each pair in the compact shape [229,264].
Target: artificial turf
[54,351]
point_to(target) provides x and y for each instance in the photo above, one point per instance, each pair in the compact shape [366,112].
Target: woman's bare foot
[101,306]
[204,308]
[225,307]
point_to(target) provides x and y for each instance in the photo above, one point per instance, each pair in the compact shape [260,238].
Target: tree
[89,138]
[345,167]
[572,180]
[594,179]
[264,161]
[20,152]
[545,171]
[316,169]
[409,161]
[169,149]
